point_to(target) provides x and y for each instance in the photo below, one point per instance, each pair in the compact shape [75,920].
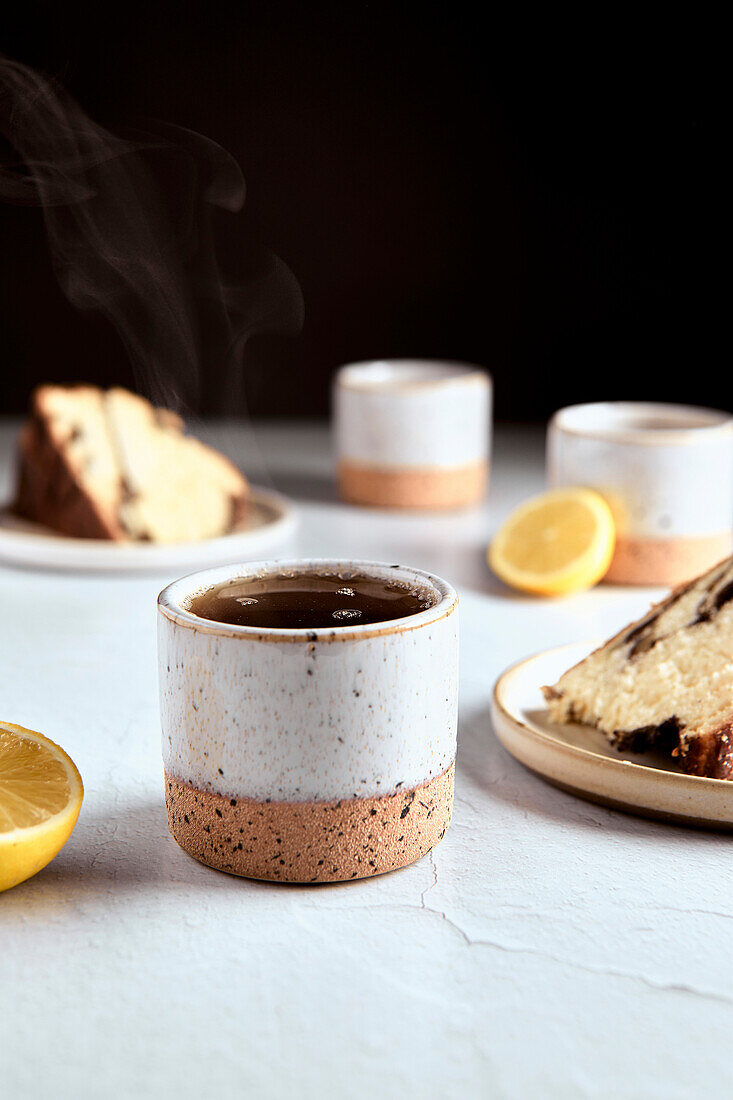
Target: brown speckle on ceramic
[328,841]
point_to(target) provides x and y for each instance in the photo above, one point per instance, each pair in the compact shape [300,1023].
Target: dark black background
[534,197]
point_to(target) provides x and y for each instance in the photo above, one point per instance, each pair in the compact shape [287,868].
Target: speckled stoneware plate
[269,522]
[581,761]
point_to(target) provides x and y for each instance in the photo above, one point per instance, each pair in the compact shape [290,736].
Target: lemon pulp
[40,797]
[556,543]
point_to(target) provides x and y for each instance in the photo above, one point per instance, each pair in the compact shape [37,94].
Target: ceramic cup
[667,473]
[412,433]
[308,755]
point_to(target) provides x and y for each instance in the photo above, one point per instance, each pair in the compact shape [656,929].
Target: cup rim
[369,375]
[587,420]
[171,600]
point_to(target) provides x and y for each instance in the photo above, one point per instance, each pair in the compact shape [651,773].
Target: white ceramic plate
[580,760]
[270,521]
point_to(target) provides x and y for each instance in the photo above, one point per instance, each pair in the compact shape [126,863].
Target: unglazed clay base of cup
[426,487]
[665,561]
[309,841]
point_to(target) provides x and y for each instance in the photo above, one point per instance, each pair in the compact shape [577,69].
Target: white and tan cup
[308,756]
[667,473]
[412,433]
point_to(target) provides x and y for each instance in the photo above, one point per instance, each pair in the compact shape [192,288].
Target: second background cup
[412,433]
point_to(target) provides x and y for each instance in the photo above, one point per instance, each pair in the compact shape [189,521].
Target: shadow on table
[109,858]
[107,855]
[485,769]
[463,564]
[306,487]
[114,857]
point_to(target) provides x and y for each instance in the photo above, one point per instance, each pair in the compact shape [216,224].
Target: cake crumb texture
[664,682]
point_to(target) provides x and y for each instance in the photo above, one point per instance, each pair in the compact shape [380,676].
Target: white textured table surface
[547,948]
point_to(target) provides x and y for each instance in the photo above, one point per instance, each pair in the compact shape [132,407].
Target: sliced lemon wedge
[556,543]
[40,797]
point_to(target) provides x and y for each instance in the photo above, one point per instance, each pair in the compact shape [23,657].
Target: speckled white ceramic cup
[412,433]
[308,755]
[667,473]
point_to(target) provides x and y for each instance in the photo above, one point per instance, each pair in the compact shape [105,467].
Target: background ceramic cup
[308,756]
[667,473]
[412,433]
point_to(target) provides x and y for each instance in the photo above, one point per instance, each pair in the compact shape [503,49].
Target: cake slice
[664,682]
[109,465]
[69,478]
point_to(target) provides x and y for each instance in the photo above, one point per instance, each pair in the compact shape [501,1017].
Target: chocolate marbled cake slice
[175,488]
[68,476]
[109,465]
[665,681]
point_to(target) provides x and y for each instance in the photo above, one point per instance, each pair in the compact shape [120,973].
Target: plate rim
[100,555]
[670,804]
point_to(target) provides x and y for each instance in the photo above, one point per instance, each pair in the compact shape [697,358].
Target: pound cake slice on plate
[109,465]
[666,681]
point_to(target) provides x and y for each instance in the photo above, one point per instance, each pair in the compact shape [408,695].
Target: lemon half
[556,543]
[40,797]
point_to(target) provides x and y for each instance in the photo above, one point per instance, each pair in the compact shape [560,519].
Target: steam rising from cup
[129,227]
